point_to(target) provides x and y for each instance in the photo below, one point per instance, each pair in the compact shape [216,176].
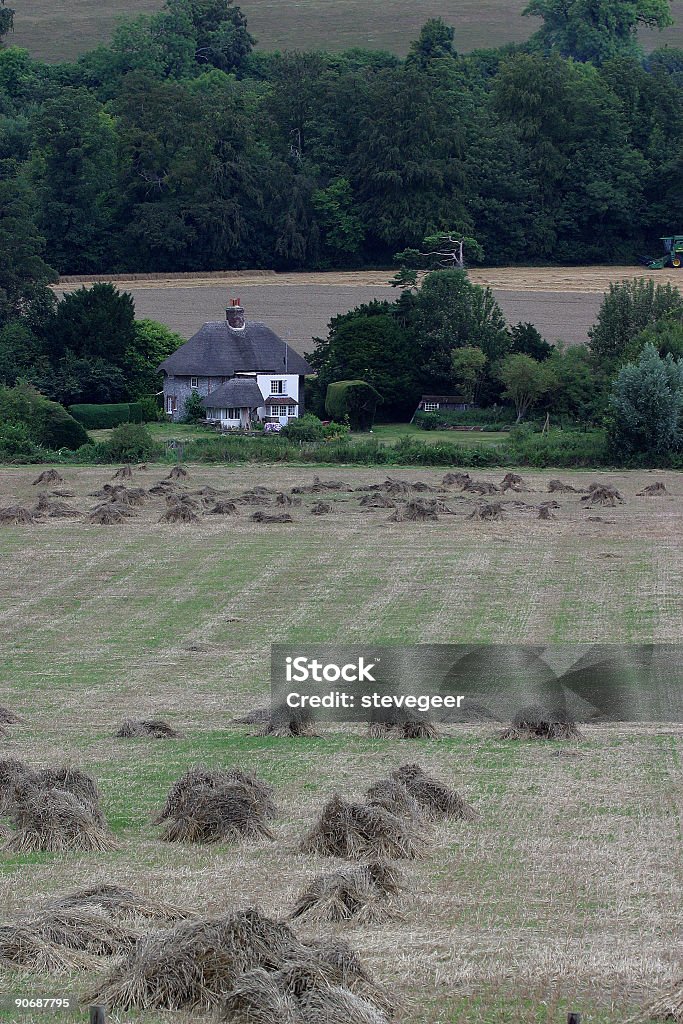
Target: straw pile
[117,902]
[320,508]
[655,490]
[224,508]
[417,511]
[362,832]
[669,1006]
[436,799]
[263,517]
[17,515]
[177,473]
[602,494]
[199,778]
[124,473]
[284,721]
[49,476]
[155,728]
[362,894]
[536,724]
[55,821]
[457,479]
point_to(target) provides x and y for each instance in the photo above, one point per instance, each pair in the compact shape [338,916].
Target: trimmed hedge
[101,417]
[353,401]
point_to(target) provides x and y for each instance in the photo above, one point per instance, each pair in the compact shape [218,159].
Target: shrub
[557,448]
[47,423]
[193,410]
[102,417]
[304,428]
[494,418]
[130,442]
[646,405]
[353,401]
[16,444]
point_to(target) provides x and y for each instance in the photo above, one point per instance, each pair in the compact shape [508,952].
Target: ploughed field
[562,302]
[564,893]
[307,24]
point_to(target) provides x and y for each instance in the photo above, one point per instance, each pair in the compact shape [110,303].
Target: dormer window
[278,387]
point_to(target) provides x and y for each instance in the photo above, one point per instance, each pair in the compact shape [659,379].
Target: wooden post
[97,1015]
[574,1018]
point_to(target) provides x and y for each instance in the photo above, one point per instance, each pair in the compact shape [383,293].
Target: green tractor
[674,254]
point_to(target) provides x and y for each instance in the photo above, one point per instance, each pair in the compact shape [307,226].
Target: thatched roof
[238,393]
[219,350]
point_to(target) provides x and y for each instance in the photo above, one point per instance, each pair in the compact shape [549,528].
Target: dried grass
[286,499]
[83,930]
[655,490]
[436,799]
[602,494]
[669,1006]
[362,894]
[284,721]
[199,779]
[263,517]
[417,511]
[376,501]
[362,832]
[118,902]
[155,728]
[480,487]
[321,508]
[395,797]
[457,479]
[223,814]
[224,508]
[513,482]
[535,724]
[55,509]
[124,473]
[55,821]
[13,773]
[558,487]
[177,473]
[110,513]
[49,476]
[179,512]
[22,947]
[17,515]
[488,512]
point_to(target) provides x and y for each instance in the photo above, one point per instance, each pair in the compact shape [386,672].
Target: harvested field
[565,892]
[562,302]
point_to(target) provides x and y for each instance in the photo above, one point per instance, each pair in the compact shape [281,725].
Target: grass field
[567,892]
[56,32]
[562,302]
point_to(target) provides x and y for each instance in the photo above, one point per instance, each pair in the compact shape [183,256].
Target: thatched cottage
[242,370]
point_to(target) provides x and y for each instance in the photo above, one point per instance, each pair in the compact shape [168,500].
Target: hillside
[336,24]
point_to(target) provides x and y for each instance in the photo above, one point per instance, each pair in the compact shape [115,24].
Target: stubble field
[562,302]
[567,891]
[56,31]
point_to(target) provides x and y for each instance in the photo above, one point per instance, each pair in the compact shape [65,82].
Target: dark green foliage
[193,410]
[595,30]
[130,442]
[47,423]
[646,404]
[101,417]
[491,418]
[17,445]
[627,310]
[304,428]
[526,340]
[352,401]
[6,20]
[97,322]
[23,273]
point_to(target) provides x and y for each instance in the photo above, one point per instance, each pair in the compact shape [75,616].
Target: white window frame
[194,383]
[278,387]
[431,407]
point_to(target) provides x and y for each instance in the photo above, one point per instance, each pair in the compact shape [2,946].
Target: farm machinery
[674,254]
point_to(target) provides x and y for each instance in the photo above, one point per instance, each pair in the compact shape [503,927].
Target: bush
[130,442]
[646,405]
[304,428]
[193,410]
[353,401]
[494,418]
[557,448]
[102,417]
[47,424]
[16,444]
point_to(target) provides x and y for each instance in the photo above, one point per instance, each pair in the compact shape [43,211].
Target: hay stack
[17,515]
[82,930]
[74,781]
[179,511]
[436,799]
[362,832]
[545,512]
[55,509]
[558,487]
[263,517]
[55,821]
[402,727]
[321,508]
[376,501]
[417,511]
[602,494]
[124,473]
[191,965]
[13,774]
[110,513]
[284,721]
[224,508]
[224,814]
[22,947]
[155,728]
[395,797]
[513,482]
[163,488]
[362,894]
[456,479]
[131,496]
[49,476]
[488,512]
[668,1007]
[536,724]
[198,779]
[480,487]
[655,490]
[286,499]
[177,473]
[117,902]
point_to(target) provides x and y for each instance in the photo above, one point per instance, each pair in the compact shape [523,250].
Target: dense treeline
[179,147]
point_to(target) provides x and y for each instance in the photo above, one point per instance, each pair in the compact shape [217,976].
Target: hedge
[100,417]
[353,401]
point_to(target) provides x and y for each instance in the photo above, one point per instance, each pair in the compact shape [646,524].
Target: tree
[152,343]
[193,410]
[434,42]
[467,364]
[222,39]
[627,309]
[646,405]
[450,312]
[6,20]
[666,336]
[24,275]
[96,322]
[528,341]
[595,30]
[342,226]
[447,249]
[526,381]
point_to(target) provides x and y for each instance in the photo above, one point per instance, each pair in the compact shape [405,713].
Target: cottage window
[171,403]
[431,406]
[278,387]
[194,383]
[280,410]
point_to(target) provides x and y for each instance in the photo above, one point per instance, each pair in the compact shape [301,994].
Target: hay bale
[179,512]
[480,487]
[655,490]
[537,724]
[362,832]
[55,821]
[668,1006]
[124,473]
[284,721]
[83,930]
[49,476]
[558,487]
[376,501]
[224,508]
[362,894]
[513,482]
[13,773]
[263,517]
[286,499]
[21,947]
[436,799]
[486,512]
[321,508]
[155,728]
[192,965]
[17,515]
[417,511]
[117,902]
[456,479]
[602,494]
[177,473]
[198,779]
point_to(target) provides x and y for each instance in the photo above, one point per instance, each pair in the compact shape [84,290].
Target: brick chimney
[234,314]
